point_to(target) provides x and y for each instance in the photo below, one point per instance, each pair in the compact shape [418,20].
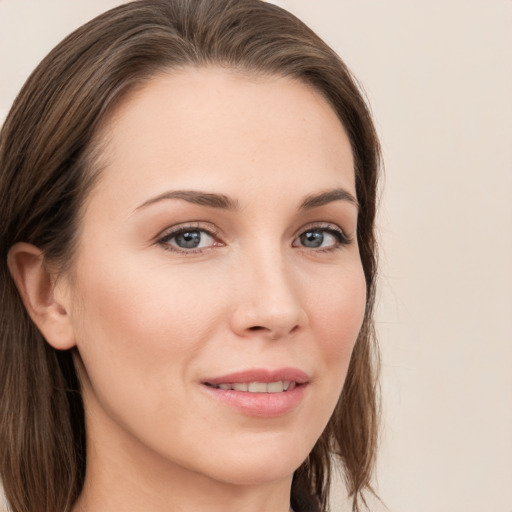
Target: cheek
[338,311]
[139,336]
[126,303]
[138,330]
[336,316]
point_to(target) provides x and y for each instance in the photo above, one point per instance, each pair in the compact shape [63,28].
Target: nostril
[273,333]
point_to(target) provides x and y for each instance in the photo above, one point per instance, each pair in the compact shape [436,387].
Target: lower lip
[262,405]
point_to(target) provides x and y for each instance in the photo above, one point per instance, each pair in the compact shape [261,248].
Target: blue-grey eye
[191,239]
[320,238]
[312,239]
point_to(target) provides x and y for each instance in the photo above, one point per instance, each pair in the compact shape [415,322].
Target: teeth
[275,387]
[259,387]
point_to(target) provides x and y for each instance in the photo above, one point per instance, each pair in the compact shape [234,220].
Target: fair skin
[264,278]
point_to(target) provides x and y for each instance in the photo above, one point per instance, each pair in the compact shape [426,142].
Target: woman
[188,265]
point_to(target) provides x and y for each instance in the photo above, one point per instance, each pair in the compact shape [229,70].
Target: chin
[254,473]
[260,462]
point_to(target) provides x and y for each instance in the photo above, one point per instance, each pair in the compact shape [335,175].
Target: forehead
[217,128]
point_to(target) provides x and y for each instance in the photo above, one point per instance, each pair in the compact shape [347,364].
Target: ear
[41,294]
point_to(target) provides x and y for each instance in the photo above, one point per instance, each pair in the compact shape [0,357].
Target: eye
[188,239]
[321,238]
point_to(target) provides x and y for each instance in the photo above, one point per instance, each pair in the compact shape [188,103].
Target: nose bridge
[268,298]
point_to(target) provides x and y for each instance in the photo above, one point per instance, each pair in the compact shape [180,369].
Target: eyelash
[342,239]
[179,230]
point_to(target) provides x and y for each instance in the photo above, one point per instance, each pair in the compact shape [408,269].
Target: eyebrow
[201,198]
[337,194]
[224,202]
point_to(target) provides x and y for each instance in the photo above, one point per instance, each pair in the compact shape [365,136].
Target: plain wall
[438,75]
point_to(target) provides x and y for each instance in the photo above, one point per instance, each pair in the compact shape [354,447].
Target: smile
[258,392]
[257,387]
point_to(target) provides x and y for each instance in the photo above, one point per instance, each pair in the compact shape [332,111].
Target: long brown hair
[47,157]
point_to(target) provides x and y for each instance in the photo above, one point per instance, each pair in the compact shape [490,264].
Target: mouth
[260,393]
[279,386]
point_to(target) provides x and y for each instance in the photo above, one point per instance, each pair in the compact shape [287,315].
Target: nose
[267,299]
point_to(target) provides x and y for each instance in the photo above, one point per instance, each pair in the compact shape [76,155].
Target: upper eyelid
[321,226]
[188,226]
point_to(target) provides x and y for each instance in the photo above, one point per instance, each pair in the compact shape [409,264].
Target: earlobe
[37,289]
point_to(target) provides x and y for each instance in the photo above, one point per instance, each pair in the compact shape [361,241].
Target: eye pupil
[188,239]
[312,239]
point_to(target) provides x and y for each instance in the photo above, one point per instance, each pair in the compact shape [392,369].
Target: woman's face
[217,291]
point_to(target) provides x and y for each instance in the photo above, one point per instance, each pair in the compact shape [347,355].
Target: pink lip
[262,405]
[261,375]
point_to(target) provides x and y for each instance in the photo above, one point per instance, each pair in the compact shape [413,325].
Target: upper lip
[261,375]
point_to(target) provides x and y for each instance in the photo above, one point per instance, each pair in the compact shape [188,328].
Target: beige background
[439,77]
